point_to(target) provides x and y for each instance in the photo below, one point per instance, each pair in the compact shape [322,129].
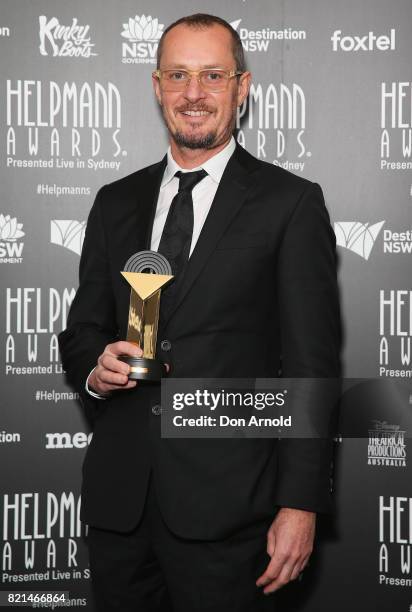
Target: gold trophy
[146,272]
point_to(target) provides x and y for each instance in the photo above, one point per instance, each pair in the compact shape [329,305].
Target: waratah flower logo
[143,28]
[10,230]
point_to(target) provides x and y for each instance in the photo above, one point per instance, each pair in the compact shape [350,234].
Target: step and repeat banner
[331,100]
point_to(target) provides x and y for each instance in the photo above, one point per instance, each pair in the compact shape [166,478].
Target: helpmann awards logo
[42,537]
[142,34]
[34,316]
[395,333]
[68,125]
[271,124]
[68,234]
[395,539]
[396,125]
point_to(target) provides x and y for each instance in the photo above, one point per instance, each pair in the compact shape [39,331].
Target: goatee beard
[195,142]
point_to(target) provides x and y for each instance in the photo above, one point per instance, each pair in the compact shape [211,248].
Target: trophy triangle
[145,284]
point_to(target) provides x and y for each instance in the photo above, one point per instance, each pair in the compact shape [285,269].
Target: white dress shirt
[202,194]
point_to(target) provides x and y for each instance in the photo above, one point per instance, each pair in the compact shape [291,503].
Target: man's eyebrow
[184,67]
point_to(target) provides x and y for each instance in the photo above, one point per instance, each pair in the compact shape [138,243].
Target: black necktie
[177,233]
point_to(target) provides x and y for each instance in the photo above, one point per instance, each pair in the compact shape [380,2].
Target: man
[203,524]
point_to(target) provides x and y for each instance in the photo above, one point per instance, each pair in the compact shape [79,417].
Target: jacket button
[156,410]
[165,345]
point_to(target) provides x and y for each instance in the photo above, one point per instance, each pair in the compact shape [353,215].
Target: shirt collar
[214,166]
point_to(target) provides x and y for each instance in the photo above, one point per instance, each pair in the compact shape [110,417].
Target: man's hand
[289,544]
[111,374]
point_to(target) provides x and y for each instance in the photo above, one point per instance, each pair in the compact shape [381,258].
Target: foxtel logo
[66,440]
[357,237]
[368,42]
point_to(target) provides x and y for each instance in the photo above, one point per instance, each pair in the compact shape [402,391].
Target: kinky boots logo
[272,124]
[64,40]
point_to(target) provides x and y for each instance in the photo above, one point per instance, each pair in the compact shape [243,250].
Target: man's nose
[194,90]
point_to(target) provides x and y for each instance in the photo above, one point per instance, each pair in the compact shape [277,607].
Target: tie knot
[187,180]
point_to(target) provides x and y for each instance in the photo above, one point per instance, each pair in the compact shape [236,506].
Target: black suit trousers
[151,569]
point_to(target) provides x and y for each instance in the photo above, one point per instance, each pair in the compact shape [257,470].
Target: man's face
[197,119]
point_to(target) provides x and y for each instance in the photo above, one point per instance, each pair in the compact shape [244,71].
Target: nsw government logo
[11,248]
[68,234]
[64,40]
[142,34]
[386,445]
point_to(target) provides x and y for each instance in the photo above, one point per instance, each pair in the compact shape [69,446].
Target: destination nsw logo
[360,238]
[258,40]
[68,234]
[357,237]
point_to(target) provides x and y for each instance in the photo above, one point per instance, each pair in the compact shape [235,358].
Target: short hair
[203,20]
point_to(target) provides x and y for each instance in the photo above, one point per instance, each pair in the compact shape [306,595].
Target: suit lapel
[229,198]
[148,196]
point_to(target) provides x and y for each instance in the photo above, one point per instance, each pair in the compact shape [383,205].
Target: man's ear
[156,87]
[243,87]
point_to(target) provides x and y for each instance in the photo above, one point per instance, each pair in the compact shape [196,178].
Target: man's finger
[125,348]
[112,378]
[108,362]
[273,570]
[270,547]
[281,580]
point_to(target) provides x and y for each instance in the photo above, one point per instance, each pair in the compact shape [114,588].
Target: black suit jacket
[259,296]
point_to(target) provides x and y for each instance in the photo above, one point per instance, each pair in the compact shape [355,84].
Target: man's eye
[177,76]
[214,76]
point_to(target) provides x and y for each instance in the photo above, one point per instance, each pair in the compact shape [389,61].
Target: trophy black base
[144,369]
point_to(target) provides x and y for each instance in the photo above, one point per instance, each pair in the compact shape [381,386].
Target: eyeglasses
[210,79]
